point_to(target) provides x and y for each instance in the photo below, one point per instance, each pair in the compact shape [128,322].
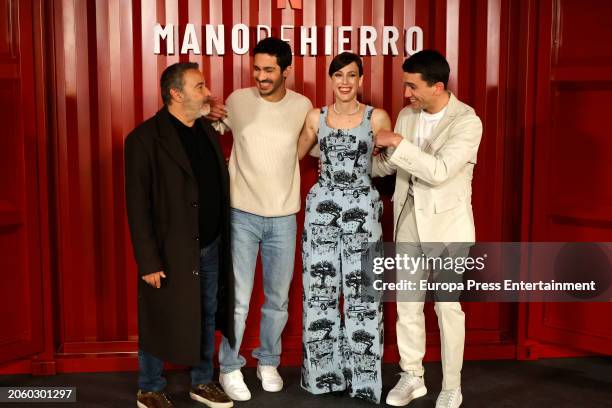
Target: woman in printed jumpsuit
[343,213]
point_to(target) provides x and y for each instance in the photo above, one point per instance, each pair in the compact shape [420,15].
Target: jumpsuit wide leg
[342,349]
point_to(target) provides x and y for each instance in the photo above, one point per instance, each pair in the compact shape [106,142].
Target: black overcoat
[162,206]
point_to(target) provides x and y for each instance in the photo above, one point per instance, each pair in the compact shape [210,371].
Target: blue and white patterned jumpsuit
[343,213]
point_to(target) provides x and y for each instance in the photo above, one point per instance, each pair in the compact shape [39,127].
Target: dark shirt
[205,168]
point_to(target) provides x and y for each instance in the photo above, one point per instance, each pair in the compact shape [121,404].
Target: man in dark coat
[177,195]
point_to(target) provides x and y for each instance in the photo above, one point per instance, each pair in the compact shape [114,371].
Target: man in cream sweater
[433,154]
[265,121]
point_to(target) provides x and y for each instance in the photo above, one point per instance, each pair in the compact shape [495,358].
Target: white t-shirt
[263,167]
[427,124]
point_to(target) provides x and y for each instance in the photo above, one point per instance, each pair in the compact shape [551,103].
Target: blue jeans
[150,367]
[276,235]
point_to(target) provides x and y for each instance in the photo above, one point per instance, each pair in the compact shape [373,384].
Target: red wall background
[76,76]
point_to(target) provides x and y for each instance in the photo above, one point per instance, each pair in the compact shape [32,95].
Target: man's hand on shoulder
[217,110]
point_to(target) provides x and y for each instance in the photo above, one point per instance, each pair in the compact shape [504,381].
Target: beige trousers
[410,325]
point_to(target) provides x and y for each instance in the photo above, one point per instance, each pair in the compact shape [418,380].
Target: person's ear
[287,71]
[176,95]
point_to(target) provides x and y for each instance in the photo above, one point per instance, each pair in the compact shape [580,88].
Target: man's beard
[198,111]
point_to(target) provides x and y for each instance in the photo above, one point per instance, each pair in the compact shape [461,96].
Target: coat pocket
[444,204]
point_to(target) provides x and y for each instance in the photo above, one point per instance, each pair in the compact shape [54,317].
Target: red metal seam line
[190,12]
[296,83]
[126,277]
[528,94]
[59,122]
[404,15]
[160,61]
[115,172]
[72,208]
[496,92]
[98,43]
[249,20]
[377,74]
[451,50]
[137,53]
[479,100]
[361,14]
[226,13]
[61,186]
[182,19]
[100,84]
[84,268]
[19,141]
[389,86]
[298,21]
[149,95]
[135,76]
[438,24]
[171,8]
[287,18]
[194,16]
[21,188]
[42,42]
[309,62]
[213,16]
[236,60]
[322,15]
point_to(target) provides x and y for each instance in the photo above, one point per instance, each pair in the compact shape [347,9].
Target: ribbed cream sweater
[263,167]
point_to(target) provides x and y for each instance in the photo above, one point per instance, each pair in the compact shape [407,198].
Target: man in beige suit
[433,152]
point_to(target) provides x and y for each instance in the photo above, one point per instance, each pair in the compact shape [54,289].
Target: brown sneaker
[157,399]
[212,395]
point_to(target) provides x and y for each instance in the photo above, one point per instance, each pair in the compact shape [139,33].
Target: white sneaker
[234,386]
[449,398]
[271,380]
[407,388]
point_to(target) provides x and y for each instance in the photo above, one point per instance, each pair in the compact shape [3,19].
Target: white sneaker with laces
[407,388]
[271,380]
[234,386]
[450,398]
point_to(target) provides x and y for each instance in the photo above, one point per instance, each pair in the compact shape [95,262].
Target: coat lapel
[169,139]
[439,135]
[412,126]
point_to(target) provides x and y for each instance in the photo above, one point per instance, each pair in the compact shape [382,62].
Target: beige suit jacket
[441,173]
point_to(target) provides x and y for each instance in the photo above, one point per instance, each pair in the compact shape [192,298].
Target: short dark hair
[432,66]
[277,48]
[173,78]
[342,60]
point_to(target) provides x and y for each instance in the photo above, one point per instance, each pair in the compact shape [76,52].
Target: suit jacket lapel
[169,139]
[412,128]
[439,135]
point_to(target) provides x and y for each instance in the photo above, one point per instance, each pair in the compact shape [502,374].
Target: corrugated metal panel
[107,81]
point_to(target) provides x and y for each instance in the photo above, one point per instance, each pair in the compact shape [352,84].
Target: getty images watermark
[490,272]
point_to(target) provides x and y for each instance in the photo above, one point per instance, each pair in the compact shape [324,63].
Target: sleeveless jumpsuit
[343,214]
